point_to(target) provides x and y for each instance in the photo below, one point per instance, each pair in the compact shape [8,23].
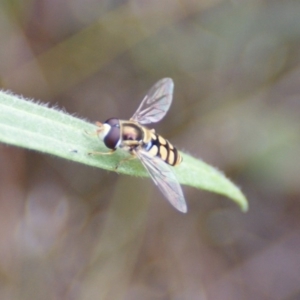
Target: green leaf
[35,126]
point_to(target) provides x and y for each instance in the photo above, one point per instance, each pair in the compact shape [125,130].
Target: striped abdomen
[158,146]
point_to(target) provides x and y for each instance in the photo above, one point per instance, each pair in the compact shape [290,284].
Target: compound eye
[113,122]
[112,138]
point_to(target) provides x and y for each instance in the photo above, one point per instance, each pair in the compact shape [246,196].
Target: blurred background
[69,231]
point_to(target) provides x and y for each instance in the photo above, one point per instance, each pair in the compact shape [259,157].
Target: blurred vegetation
[69,231]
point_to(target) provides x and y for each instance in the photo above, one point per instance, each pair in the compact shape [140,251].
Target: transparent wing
[156,103]
[164,178]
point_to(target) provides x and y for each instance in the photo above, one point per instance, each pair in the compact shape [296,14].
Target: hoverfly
[156,153]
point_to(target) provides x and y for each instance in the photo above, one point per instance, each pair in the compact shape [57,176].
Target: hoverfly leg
[102,153]
[124,160]
[89,133]
[94,133]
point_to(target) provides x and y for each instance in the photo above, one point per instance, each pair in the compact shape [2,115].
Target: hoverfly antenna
[102,130]
[100,127]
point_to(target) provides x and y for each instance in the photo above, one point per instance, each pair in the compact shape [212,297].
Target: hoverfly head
[109,132]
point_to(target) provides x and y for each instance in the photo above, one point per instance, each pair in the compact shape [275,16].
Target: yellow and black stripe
[164,149]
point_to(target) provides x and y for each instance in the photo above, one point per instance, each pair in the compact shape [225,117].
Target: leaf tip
[243,203]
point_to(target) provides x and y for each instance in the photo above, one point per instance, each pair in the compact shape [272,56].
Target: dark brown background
[68,231]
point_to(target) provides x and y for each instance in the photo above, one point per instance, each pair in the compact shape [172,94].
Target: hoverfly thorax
[155,153]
